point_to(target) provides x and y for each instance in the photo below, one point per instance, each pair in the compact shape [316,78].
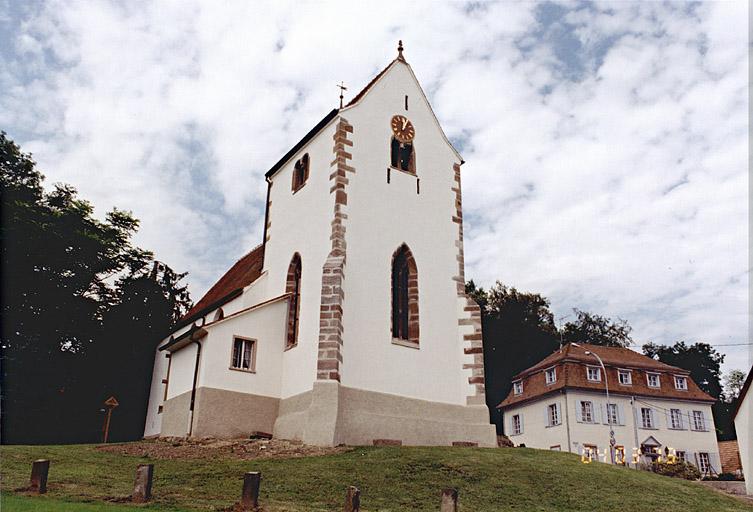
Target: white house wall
[156,395]
[382,216]
[743,425]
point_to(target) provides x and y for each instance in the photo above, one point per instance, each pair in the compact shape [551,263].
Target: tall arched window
[293,287]
[404,296]
[402,156]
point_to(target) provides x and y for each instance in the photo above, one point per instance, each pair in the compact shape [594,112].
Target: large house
[743,416]
[654,409]
[350,322]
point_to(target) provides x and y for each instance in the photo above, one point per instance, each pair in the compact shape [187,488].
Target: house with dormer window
[654,409]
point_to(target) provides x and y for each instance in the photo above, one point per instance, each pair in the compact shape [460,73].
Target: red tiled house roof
[571,361]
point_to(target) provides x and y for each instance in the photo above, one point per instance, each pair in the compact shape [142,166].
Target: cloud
[606,143]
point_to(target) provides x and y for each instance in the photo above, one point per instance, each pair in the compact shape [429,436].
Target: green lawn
[390,479]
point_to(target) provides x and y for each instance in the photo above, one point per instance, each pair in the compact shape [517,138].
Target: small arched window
[404,296]
[300,172]
[293,287]
[402,156]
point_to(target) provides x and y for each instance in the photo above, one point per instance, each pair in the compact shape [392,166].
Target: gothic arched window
[293,287]
[402,156]
[404,296]
[300,172]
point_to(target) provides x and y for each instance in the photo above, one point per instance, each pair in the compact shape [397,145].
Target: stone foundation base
[330,414]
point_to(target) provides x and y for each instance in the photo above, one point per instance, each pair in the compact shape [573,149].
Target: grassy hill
[390,479]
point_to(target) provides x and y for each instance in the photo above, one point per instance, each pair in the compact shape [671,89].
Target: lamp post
[612,441]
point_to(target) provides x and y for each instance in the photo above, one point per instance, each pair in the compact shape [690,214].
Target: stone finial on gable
[400,51]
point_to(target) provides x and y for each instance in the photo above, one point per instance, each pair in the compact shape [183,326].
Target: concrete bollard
[352,500]
[449,500]
[142,487]
[250,495]
[39,470]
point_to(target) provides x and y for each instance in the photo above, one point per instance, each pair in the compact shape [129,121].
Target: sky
[606,144]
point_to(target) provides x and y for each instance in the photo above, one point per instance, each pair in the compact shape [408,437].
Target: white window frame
[629,377]
[598,373]
[251,368]
[616,414]
[516,425]
[681,455]
[651,424]
[684,380]
[550,375]
[517,387]
[675,425]
[696,419]
[589,410]
[648,380]
[553,419]
[704,465]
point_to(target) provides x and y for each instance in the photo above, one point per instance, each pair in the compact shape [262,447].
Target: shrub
[679,469]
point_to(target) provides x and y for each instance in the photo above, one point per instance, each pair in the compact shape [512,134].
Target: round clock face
[402,128]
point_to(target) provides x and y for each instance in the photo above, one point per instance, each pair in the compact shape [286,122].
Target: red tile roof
[245,271]
[571,361]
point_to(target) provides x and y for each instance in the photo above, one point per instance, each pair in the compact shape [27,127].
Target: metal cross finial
[342,88]
[400,50]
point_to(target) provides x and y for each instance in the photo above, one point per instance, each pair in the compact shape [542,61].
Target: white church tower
[350,323]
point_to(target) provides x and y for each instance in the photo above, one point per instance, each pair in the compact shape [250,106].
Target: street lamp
[612,441]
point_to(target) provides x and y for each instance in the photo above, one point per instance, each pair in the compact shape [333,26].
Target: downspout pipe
[266,219]
[193,389]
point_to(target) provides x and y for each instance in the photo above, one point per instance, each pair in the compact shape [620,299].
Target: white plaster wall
[181,370]
[267,326]
[156,394]
[300,223]
[743,424]
[382,216]
[535,435]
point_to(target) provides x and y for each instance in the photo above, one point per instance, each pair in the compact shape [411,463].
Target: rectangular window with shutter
[647,417]
[613,417]
[675,419]
[553,415]
[699,422]
[517,424]
[586,411]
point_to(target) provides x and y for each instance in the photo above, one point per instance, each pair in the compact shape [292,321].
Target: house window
[590,452]
[619,455]
[593,373]
[404,296]
[698,421]
[243,354]
[517,425]
[626,377]
[681,383]
[653,380]
[647,417]
[587,412]
[681,455]
[553,415]
[402,156]
[300,172]
[551,375]
[704,463]
[517,387]
[293,287]
[675,419]
[612,415]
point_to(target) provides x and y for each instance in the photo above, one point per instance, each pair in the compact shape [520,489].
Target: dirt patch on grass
[209,448]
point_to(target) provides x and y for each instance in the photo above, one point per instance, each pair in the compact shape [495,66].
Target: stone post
[352,500]
[250,495]
[449,500]
[142,487]
[39,470]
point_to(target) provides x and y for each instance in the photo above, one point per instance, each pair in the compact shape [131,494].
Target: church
[349,324]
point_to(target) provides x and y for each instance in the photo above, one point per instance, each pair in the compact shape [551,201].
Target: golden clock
[402,128]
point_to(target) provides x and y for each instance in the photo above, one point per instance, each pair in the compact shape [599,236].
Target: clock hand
[405,122]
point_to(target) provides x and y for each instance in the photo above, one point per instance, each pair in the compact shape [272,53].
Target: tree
[704,364]
[733,384]
[65,275]
[518,331]
[597,330]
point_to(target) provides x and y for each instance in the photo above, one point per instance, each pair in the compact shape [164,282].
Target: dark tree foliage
[704,364]
[82,309]
[597,330]
[518,330]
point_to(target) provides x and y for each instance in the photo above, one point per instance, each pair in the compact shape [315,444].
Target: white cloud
[606,143]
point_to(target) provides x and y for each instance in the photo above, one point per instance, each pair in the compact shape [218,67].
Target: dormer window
[653,380]
[517,387]
[593,373]
[625,377]
[551,375]
[300,172]
[681,383]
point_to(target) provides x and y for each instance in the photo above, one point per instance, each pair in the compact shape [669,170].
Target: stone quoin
[349,324]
